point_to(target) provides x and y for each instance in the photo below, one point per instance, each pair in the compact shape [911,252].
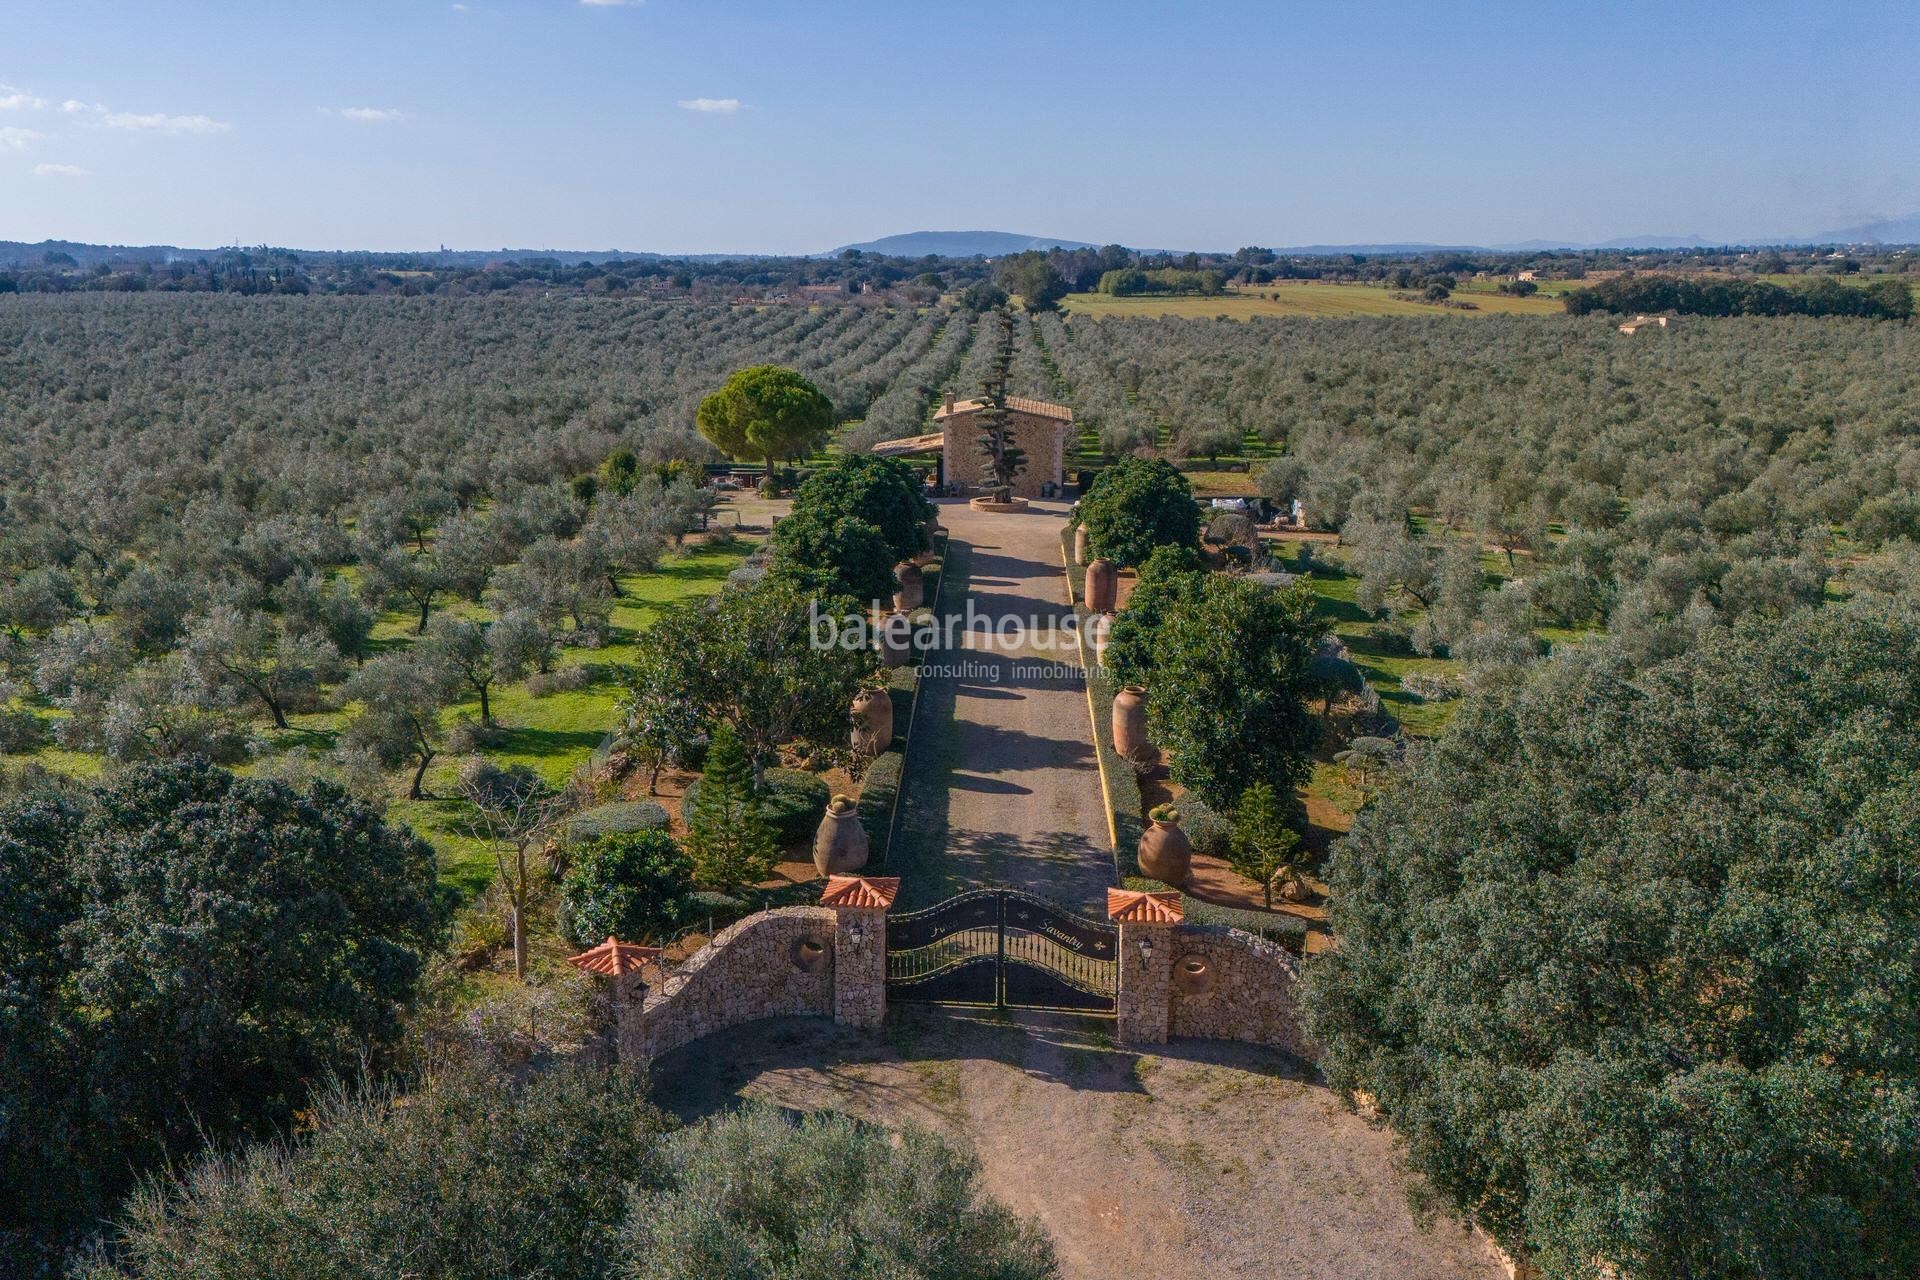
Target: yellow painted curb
[1093,716]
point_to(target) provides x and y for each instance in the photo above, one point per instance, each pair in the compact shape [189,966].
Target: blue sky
[710,125]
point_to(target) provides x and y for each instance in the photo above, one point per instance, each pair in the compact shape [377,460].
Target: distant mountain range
[959,244]
[949,244]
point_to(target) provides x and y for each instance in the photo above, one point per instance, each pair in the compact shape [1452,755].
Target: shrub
[568,679]
[475,1176]
[754,1193]
[633,885]
[620,816]
[20,730]
[1138,504]
[1432,687]
[1208,830]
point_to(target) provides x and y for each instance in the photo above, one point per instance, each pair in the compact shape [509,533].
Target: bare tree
[516,809]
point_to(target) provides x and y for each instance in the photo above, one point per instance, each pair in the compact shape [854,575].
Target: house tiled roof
[614,958]
[877,892]
[909,444]
[1018,404]
[1132,906]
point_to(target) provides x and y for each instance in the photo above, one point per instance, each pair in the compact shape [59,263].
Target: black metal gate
[1002,949]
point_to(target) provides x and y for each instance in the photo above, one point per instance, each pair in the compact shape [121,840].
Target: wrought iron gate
[1003,949]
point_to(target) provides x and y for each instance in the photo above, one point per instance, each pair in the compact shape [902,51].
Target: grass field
[551,734]
[1303,298]
[1383,670]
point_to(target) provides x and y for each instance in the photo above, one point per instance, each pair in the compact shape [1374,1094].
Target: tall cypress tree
[729,838]
[1005,459]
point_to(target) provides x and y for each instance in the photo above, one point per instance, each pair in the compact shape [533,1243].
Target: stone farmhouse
[1040,429]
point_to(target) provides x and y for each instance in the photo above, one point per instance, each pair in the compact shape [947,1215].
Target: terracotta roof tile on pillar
[1133,906]
[614,958]
[877,892]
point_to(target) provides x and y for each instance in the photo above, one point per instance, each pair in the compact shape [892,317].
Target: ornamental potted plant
[1165,852]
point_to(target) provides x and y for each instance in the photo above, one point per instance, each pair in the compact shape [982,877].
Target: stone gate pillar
[624,966]
[860,905]
[1147,922]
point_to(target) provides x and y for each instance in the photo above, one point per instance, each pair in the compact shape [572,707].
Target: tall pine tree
[1005,459]
[730,839]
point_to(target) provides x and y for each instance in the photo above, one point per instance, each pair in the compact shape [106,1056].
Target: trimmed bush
[1276,927]
[1208,830]
[792,800]
[634,885]
[608,819]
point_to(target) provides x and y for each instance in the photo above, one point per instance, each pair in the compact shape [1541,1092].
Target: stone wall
[1230,985]
[771,964]
[1043,440]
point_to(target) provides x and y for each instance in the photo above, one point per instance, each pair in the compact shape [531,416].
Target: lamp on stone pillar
[860,905]
[1144,1004]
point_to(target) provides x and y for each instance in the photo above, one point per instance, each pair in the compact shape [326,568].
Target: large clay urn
[896,640]
[1165,853]
[840,845]
[1103,584]
[872,721]
[1130,723]
[1082,545]
[912,591]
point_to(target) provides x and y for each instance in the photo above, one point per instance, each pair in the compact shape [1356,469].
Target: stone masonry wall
[1141,1002]
[1230,985]
[764,966]
[1042,438]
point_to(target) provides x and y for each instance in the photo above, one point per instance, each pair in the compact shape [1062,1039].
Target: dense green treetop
[1230,671]
[1632,961]
[765,413]
[189,953]
[1138,504]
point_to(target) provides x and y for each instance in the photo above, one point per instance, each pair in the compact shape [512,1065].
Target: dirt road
[1194,1159]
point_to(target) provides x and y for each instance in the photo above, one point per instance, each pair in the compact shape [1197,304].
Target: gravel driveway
[1002,787]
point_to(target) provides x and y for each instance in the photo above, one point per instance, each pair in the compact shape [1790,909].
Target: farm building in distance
[1638,323]
[1040,429]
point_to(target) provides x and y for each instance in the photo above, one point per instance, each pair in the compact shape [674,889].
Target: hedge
[621,815]
[1277,927]
[886,774]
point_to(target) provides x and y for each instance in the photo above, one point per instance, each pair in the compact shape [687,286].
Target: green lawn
[1382,669]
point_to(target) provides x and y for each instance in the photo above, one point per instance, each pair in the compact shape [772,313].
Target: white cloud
[12,139]
[160,122]
[12,99]
[367,115]
[61,171]
[149,122]
[713,106]
[613,4]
